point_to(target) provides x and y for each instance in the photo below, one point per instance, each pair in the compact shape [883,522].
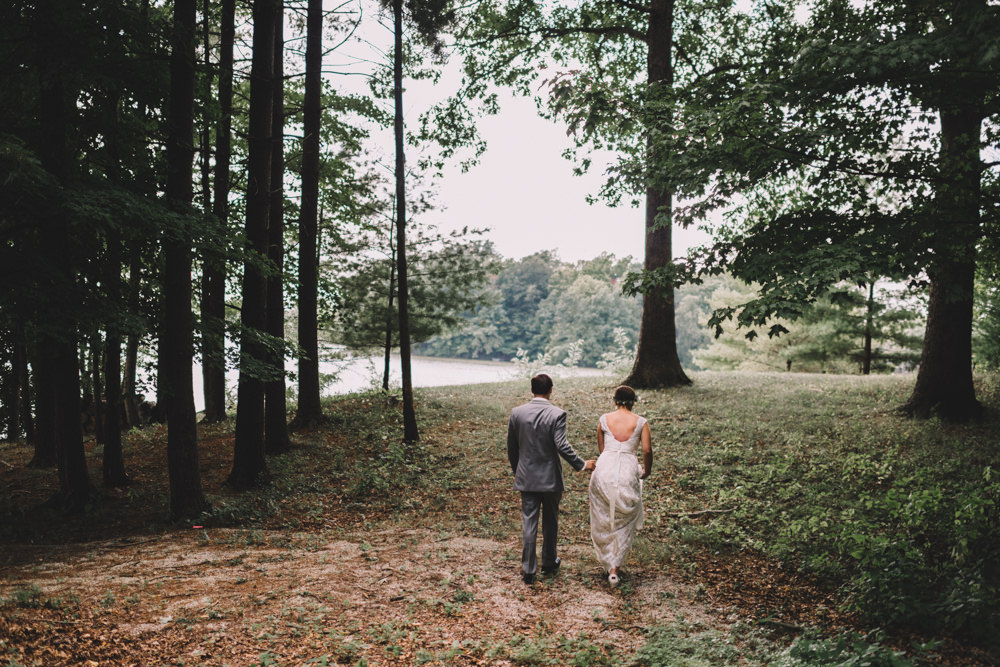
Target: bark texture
[177,342]
[410,431]
[944,384]
[45,434]
[309,411]
[249,465]
[213,299]
[656,361]
[58,339]
[275,405]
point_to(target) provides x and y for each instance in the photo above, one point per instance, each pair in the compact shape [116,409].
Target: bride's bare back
[622,424]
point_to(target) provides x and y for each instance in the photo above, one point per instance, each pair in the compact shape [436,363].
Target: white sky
[522,189]
[526,193]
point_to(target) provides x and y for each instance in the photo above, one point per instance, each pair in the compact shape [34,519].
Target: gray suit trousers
[531,503]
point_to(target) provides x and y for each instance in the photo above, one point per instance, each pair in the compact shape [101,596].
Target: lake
[361,373]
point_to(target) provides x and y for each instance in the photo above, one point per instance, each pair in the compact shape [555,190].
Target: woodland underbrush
[901,516]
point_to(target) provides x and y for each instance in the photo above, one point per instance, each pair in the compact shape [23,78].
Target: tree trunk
[72,461]
[275,402]
[59,342]
[176,343]
[86,379]
[14,385]
[248,451]
[205,130]
[410,431]
[657,363]
[10,414]
[162,357]
[23,382]
[132,344]
[45,433]
[213,298]
[866,361]
[309,411]
[112,460]
[388,314]
[944,381]
[97,386]
[129,397]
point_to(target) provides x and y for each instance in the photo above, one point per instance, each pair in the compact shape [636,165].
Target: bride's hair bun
[625,395]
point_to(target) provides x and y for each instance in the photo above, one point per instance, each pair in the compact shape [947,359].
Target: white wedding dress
[616,511]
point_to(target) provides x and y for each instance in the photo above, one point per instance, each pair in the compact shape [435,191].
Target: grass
[836,530]
[899,513]
[819,474]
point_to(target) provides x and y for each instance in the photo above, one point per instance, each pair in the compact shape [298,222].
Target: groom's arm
[562,444]
[513,448]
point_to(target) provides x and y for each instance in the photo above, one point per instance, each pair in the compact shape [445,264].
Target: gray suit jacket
[536,438]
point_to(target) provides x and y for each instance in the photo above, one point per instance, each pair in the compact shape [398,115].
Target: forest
[575,314]
[238,185]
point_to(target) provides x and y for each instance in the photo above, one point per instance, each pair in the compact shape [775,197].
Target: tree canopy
[846,143]
[834,150]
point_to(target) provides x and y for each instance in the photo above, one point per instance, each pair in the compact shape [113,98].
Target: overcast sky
[526,193]
[522,189]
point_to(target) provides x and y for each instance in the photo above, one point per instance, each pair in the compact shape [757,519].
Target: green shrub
[903,517]
[683,646]
[26,597]
[847,650]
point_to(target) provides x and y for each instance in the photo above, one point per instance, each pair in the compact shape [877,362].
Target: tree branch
[718,69]
[605,30]
[811,159]
[550,33]
[686,58]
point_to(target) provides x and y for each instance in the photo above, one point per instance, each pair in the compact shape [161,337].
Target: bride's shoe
[613,579]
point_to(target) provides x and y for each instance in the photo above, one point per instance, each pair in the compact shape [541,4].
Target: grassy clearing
[791,519]
[896,520]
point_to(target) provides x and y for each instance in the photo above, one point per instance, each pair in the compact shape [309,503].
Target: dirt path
[242,597]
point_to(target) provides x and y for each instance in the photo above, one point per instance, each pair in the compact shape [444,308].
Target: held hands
[589,464]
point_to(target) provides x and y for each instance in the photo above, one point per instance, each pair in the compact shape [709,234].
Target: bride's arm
[600,440]
[647,452]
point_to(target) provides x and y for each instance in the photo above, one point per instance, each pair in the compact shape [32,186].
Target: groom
[536,438]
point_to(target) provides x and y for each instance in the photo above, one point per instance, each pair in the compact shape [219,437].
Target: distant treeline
[540,305]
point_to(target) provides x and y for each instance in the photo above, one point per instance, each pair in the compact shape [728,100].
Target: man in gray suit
[536,438]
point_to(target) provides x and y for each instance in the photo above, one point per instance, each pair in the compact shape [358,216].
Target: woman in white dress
[616,512]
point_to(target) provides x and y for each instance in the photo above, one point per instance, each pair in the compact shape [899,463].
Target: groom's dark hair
[541,385]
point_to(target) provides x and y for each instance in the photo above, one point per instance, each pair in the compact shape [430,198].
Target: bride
[616,512]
